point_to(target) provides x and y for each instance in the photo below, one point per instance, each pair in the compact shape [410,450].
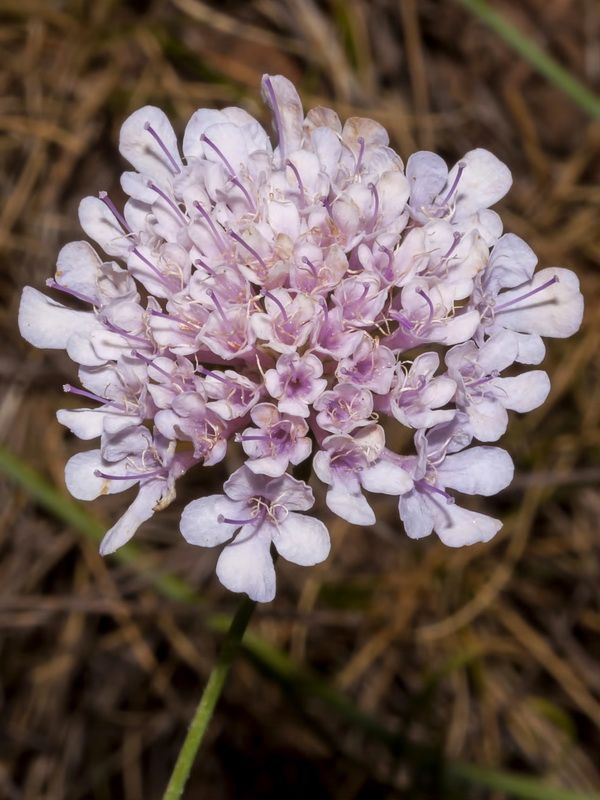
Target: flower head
[295,302]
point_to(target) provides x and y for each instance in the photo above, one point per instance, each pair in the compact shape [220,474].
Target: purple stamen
[277,115]
[525,296]
[151,363]
[235,180]
[115,329]
[171,203]
[73,390]
[52,284]
[429,303]
[172,318]
[328,206]
[152,266]
[163,147]
[461,168]
[137,477]
[218,306]
[219,239]
[388,273]
[428,487]
[250,249]
[116,213]
[214,375]
[495,374]
[294,169]
[311,266]
[277,302]
[255,518]
[457,237]
[210,143]
[205,267]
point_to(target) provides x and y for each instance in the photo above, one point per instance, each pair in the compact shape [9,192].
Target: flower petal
[246,565]
[302,540]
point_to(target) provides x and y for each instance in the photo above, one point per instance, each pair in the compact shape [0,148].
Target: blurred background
[397,669]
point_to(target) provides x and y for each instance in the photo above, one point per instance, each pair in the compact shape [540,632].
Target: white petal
[483,182]
[281,98]
[85,423]
[556,310]
[246,565]
[139,511]
[83,484]
[100,224]
[141,149]
[302,540]
[346,500]
[77,268]
[458,526]
[45,323]
[200,520]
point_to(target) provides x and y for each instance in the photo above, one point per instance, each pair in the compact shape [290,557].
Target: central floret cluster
[296,300]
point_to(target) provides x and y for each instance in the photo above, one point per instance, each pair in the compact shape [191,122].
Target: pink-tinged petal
[524,392]
[200,523]
[511,263]
[478,470]
[246,565]
[302,540]
[556,310]
[141,148]
[484,181]
[45,323]
[458,526]
[84,485]
[386,478]
[416,514]
[498,352]
[149,497]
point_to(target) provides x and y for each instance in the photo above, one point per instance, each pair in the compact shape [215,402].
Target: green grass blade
[547,66]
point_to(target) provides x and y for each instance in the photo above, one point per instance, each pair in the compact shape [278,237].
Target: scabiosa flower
[296,302]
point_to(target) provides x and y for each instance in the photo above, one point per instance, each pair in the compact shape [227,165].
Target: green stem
[538,58]
[208,701]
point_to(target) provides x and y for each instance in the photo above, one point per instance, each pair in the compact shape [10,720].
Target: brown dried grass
[489,653]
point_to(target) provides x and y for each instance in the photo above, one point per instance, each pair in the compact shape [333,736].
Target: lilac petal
[200,523]
[415,513]
[524,392]
[478,470]
[386,478]
[246,565]
[302,540]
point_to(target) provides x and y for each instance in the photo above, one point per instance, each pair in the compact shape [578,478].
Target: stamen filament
[163,147]
[525,296]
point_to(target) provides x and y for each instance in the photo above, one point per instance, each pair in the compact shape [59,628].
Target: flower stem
[208,701]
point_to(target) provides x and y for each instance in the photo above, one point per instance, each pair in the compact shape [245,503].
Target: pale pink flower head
[288,304]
